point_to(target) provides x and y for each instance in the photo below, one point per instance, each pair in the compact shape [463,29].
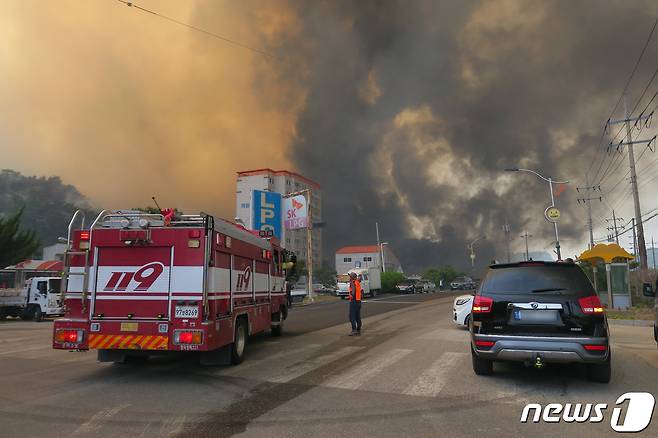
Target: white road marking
[434,378]
[95,422]
[41,347]
[6,341]
[453,334]
[360,374]
[172,426]
[299,369]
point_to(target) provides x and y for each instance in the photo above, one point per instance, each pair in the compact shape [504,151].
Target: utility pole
[634,238]
[507,229]
[614,221]
[527,252]
[653,253]
[588,201]
[641,246]
[614,228]
[380,247]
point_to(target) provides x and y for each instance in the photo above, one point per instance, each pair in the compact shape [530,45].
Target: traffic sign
[552,214]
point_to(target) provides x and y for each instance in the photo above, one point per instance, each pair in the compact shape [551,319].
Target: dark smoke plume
[415,108]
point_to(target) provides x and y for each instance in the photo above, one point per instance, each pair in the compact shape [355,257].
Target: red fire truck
[138,284]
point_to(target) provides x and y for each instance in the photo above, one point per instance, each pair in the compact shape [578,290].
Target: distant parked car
[409,286]
[427,286]
[462,283]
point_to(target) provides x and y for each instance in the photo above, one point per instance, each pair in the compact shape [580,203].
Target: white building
[54,252]
[350,257]
[284,182]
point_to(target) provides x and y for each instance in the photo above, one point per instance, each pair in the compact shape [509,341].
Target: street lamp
[470,247]
[550,182]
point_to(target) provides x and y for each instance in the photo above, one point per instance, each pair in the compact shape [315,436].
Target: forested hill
[49,203]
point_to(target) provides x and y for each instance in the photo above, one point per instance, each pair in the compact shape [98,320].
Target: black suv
[539,312]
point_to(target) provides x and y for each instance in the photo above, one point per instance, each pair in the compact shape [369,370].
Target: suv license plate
[536,316]
[186,312]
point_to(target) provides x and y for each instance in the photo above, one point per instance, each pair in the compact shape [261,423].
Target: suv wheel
[481,367]
[600,372]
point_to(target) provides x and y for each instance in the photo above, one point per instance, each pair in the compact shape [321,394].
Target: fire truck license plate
[187,311]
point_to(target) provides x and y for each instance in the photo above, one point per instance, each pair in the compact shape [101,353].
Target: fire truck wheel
[239,345]
[37,314]
[278,329]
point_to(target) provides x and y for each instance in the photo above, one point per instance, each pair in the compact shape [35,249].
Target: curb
[631,322]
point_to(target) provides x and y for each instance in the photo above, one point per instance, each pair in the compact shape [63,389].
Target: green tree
[16,245]
[390,280]
[325,275]
[446,273]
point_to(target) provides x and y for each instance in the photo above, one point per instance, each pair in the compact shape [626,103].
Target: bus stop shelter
[617,271]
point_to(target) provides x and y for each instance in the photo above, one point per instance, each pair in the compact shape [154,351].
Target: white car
[461,310]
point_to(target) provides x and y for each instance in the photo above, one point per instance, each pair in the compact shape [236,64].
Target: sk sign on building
[296,212]
[267,213]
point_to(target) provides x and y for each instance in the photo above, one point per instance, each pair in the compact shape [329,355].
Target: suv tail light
[487,344]
[590,347]
[482,304]
[591,305]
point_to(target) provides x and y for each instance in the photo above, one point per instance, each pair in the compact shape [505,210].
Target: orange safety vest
[357,294]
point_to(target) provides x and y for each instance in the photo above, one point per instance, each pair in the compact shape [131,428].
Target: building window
[367,259]
[244,205]
[347,259]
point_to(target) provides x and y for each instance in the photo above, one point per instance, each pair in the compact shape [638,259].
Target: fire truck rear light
[69,336]
[83,244]
[188,337]
[194,234]
[84,235]
[193,243]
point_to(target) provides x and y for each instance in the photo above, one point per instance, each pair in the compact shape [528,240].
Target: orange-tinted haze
[124,105]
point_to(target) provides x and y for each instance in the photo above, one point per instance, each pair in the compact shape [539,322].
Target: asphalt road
[408,375]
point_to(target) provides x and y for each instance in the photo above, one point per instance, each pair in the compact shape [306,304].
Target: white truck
[37,299]
[371,282]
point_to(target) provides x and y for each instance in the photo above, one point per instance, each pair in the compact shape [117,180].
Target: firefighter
[289,294]
[355,304]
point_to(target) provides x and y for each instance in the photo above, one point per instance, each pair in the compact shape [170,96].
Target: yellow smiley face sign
[552,214]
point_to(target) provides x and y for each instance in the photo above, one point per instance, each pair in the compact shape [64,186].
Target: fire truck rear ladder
[68,254]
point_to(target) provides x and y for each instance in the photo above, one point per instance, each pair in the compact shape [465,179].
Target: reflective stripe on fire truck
[131,342]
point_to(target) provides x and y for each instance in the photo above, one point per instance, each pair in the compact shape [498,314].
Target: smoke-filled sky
[405,112]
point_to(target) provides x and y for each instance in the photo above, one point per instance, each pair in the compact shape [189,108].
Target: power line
[637,63]
[198,29]
[628,82]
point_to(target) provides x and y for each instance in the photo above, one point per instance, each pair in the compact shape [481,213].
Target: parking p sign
[267,213]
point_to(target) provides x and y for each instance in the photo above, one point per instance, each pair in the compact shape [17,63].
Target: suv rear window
[562,279]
